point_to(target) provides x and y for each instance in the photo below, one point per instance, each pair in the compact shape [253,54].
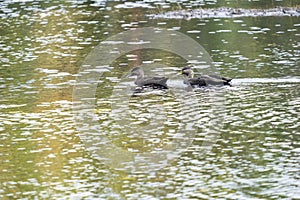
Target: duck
[148,81]
[203,80]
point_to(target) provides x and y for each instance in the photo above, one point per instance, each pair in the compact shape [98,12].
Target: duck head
[188,71]
[137,71]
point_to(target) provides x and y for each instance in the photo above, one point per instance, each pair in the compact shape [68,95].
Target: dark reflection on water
[256,155]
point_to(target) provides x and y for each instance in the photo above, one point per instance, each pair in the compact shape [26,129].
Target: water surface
[255,153]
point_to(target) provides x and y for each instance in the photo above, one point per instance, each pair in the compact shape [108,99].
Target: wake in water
[239,81]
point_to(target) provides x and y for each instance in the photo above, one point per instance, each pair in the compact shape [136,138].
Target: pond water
[239,142]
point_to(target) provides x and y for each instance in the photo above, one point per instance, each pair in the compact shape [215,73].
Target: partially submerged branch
[227,13]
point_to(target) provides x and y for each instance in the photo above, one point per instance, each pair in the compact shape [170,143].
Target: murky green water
[253,127]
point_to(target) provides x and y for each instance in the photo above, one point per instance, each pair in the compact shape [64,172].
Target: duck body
[148,81]
[220,77]
[195,82]
[203,80]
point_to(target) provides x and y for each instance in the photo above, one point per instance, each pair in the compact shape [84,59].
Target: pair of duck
[161,82]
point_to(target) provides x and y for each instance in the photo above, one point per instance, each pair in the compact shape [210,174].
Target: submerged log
[227,13]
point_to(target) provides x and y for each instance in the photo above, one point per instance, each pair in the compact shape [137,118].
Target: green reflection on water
[41,155]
